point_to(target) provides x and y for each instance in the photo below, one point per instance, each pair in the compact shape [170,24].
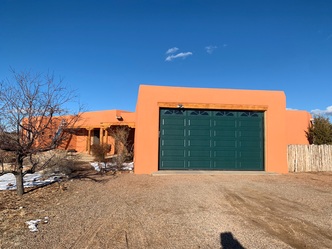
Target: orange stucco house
[179,128]
[93,128]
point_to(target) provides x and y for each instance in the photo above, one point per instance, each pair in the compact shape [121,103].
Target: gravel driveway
[201,211]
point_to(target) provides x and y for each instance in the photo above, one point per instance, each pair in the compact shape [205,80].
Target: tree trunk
[19,177]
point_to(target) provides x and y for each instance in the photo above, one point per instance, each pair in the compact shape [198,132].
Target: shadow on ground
[84,171]
[227,241]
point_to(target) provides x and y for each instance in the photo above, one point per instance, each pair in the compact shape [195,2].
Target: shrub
[55,161]
[320,131]
[122,144]
[99,151]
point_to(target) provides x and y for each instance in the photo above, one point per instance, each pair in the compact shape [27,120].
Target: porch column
[101,135]
[88,142]
[106,136]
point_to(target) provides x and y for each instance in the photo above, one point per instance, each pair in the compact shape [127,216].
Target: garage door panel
[250,114]
[225,144]
[224,113]
[172,132]
[173,164]
[224,154]
[224,133]
[174,112]
[198,132]
[249,133]
[202,122]
[252,165]
[249,153]
[205,153]
[173,153]
[249,160]
[198,112]
[250,145]
[172,142]
[173,122]
[224,123]
[199,164]
[226,164]
[199,143]
[249,123]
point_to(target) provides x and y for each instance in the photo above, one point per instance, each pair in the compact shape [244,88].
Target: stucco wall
[297,123]
[97,118]
[151,98]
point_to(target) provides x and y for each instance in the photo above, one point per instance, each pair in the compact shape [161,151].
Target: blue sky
[106,49]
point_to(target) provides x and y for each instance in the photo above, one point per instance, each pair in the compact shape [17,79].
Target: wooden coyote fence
[306,158]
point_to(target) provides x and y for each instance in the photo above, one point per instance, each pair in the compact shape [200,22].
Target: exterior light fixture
[180,106]
[119,118]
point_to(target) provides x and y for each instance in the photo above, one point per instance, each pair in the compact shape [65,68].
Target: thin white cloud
[210,49]
[326,112]
[179,55]
[291,109]
[172,50]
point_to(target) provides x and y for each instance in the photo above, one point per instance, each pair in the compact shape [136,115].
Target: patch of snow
[8,181]
[128,166]
[99,166]
[111,166]
[32,225]
[95,165]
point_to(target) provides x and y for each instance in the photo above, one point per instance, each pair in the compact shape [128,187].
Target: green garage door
[211,139]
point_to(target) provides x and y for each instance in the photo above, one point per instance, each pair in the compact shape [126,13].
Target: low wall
[309,158]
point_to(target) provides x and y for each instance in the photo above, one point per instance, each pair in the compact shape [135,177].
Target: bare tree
[34,117]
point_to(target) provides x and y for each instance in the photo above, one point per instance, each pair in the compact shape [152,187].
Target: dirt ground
[201,211]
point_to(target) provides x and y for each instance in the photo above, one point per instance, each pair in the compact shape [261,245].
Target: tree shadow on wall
[227,241]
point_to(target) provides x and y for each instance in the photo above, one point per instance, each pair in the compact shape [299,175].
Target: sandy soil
[141,211]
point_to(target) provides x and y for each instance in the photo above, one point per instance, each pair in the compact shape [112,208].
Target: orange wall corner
[297,123]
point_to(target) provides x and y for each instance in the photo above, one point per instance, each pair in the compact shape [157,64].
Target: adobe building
[94,128]
[214,129]
[179,128]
